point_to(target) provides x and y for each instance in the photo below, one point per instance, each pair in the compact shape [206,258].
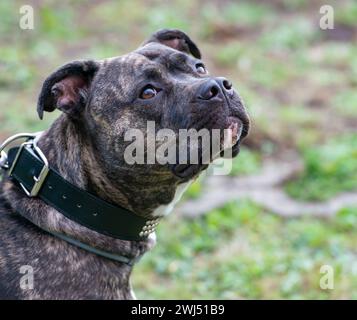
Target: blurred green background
[299,84]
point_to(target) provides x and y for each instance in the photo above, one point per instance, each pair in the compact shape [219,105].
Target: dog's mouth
[232,133]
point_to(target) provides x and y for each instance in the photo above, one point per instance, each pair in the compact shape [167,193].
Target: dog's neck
[70,153]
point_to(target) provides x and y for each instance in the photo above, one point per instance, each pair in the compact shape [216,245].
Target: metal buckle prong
[38,183]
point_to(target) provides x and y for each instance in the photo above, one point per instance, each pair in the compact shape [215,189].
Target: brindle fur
[86,146]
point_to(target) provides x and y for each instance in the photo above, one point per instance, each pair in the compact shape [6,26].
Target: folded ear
[67,88]
[175,39]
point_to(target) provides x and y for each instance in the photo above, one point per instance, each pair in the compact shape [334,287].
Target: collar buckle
[40,179]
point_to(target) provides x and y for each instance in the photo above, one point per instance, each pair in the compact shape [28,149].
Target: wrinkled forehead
[161,53]
[150,61]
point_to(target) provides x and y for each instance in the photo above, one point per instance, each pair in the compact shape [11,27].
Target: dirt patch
[341,33]
[265,190]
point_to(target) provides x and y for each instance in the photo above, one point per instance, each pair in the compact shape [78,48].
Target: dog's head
[164,81]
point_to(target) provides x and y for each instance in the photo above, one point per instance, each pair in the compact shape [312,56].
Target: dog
[163,81]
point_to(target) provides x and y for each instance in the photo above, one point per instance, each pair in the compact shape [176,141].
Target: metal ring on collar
[3,154]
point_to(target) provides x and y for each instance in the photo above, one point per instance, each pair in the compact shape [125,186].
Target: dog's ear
[67,88]
[175,39]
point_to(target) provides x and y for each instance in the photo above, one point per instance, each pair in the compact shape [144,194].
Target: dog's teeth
[231,136]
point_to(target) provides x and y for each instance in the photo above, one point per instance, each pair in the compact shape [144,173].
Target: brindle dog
[163,81]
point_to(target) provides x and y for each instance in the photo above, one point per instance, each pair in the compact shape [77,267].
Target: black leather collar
[38,180]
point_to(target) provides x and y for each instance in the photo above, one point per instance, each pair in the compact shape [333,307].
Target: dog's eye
[200,68]
[148,92]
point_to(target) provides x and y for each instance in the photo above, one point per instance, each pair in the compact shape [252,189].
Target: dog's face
[163,81]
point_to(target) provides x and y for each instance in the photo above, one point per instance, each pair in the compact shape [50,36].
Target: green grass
[231,16]
[8,18]
[290,35]
[346,103]
[247,162]
[13,73]
[241,251]
[244,13]
[20,115]
[230,53]
[58,23]
[347,14]
[194,190]
[329,169]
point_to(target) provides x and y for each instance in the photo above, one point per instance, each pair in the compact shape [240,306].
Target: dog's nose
[214,87]
[208,90]
[224,83]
